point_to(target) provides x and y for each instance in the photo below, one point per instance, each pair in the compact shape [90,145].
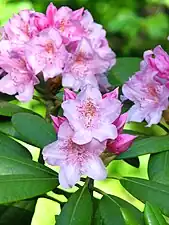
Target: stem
[163,127]
[62,192]
[52,198]
[40,159]
[37,98]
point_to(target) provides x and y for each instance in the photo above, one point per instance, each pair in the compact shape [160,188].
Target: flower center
[49,48]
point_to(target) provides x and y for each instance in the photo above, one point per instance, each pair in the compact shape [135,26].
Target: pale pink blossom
[19,79]
[20,28]
[74,160]
[149,96]
[123,141]
[83,66]
[91,116]
[46,53]
[158,61]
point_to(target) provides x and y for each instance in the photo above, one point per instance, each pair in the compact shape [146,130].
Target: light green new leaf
[146,146]
[34,128]
[78,209]
[153,216]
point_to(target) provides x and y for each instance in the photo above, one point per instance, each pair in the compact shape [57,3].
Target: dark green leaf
[34,128]
[97,219]
[133,162]
[110,211]
[78,210]
[146,146]
[17,213]
[146,190]
[125,67]
[153,215]
[9,147]
[22,178]
[6,97]
[158,167]
[9,109]
[119,210]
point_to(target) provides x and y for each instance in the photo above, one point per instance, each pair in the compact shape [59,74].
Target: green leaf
[34,128]
[146,190]
[9,109]
[153,215]
[158,167]
[146,146]
[5,97]
[22,178]
[110,211]
[97,219]
[17,213]
[120,211]
[125,67]
[12,148]
[78,209]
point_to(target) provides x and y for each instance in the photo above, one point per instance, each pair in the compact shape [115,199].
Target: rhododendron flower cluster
[91,121]
[149,88]
[60,42]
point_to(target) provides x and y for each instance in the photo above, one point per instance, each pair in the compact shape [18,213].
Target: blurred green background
[132,27]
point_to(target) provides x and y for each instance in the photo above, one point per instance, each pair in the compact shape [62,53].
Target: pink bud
[50,13]
[77,14]
[57,121]
[120,122]
[121,143]
[112,94]
[68,94]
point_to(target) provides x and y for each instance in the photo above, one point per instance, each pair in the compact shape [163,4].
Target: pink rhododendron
[47,53]
[62,42]
[149,96]
[91,116]
[82,67]
[74,160]
[157,60]
[18,79]
[123,141]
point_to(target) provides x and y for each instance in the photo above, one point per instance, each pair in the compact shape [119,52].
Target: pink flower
[19,78]
[90,116]
[149,96]
[20,27]
[158,61]
[74,160]
[82,67]
[123,141]
[46,53]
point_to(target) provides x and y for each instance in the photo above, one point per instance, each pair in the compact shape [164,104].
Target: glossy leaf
[153,215]
[34,128]
[125,67]
[158,167]
[145,190]
[9,109]
[118,210]
[146,146]
[17,213]
[78,210]
[9,147]
[22,178]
